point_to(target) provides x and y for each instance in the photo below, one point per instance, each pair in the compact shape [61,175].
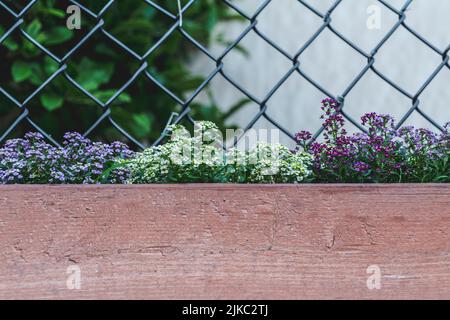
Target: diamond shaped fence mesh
[218,60]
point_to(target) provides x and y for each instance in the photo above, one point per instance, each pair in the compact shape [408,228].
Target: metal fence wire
[177,26]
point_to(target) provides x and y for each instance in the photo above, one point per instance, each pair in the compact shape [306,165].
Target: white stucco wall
[333,64]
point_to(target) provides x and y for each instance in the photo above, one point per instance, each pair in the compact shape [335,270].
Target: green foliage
[102,67]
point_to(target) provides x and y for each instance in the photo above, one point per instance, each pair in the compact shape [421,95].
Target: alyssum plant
[202,158]
[382,154]
[78,161]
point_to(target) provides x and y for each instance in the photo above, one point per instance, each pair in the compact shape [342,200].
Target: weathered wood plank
[225,242]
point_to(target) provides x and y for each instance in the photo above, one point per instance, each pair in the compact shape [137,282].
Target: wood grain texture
[225,242]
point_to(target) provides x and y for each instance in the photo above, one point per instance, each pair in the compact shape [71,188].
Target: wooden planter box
[225,241]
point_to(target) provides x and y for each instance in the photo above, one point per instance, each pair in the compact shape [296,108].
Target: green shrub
[102,67]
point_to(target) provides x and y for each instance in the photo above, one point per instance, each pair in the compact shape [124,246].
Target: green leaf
[94,74]
[11,44]
[8,42]
[105,95]
[34,28]
[213,17]
[52,101]
[55,12]
[37,75]
[21,71]
[103,178]
[143,123]
[50,66]
[57,36]
[124,98]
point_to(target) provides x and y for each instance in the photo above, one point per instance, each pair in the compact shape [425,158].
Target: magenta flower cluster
[383,154]
[77,161]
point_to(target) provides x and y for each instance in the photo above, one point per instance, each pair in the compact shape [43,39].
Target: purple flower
[361,166]
[303,136]
[383,154]
[79,160]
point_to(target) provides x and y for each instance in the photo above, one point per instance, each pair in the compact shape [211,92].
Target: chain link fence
[218,60]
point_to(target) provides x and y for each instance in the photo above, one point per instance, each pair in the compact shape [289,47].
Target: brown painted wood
[225,242]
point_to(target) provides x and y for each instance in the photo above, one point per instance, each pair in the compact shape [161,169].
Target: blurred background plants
[102,67]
